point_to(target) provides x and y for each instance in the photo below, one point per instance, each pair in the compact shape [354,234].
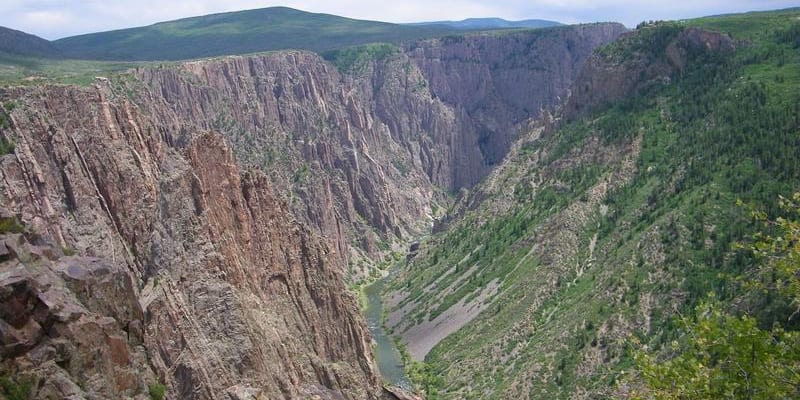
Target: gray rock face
[231,294]
[217,205]
[496,82]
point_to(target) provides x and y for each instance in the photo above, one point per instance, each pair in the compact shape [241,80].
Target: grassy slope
[24,70]
[727,129]
[237,33]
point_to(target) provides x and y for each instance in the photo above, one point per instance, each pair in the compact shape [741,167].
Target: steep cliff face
[236,298]
[71,326]
[495,82]
[236,194]
[638,62]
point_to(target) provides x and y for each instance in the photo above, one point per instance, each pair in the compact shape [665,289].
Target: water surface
[388,357]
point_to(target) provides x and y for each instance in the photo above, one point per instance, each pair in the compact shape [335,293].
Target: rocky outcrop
[652,55]
[70,327]
[235,195]
[372,147]
[238,299]
[395,393]
[312,130]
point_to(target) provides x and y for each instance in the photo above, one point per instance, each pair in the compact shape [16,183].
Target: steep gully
[236,196]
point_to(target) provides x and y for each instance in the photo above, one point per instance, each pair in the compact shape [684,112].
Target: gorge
[516,210]
[237,194]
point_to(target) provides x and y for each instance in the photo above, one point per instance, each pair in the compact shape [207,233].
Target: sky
[53,19]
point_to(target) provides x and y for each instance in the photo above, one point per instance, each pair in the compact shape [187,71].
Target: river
[388,357]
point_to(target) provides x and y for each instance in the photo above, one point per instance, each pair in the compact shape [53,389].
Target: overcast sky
[53,19]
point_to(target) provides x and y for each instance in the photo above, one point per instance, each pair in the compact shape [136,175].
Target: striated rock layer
[218,205]
[236,298]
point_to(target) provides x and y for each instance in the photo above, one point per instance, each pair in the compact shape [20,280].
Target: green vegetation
[5,120]
[156,391]
[239,33]
[300,175]
[426,381]
[724,356]
[14,389]
[21,43]
[725,353]
[355,59]
[26,70]
[650,41]
[6,147]
[579,275]
[10,225]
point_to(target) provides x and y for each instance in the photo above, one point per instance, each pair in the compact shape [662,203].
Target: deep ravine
[239,194]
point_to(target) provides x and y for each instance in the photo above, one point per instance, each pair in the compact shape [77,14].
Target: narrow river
[388,357]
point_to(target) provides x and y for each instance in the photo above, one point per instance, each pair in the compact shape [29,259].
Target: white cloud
[46,18]
[58,18]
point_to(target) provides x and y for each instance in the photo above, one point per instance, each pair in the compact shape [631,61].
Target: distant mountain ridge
[238,32]
[17,42]
[490,23]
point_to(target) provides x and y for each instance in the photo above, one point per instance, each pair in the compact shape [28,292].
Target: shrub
[6,147]
[11,389]
[156,391]
[10,225]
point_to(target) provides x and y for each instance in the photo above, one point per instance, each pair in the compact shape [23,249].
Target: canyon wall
[634,65]
[231,198]
[234,296]
[495,82]
[375,147]
[502,302]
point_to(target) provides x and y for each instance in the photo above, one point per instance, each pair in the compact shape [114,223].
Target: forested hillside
[605,224]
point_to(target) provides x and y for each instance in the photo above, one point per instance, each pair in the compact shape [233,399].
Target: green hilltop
[23,44]
[28,59]
[239,32]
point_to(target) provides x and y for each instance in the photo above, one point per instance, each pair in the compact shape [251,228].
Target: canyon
[195,225]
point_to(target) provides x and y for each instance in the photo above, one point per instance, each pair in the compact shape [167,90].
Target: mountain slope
[19,43]
[238,32]
[492,23]
[604,224]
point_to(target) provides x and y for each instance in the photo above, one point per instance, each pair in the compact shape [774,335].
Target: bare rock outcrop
[495,83]
[70,327]
[373,146]
[237,298]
